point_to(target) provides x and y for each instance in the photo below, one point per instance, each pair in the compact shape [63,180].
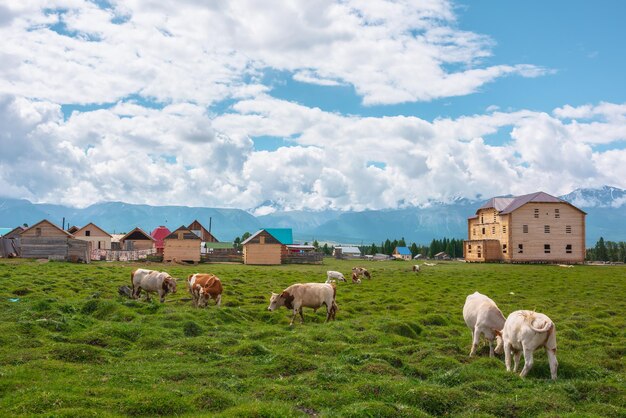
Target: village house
[204,234]
[159,235]
[267,246]
[99,238]
[137,239]
[347,252]
[402,253]
[537,228]
[182,245]
[46,240]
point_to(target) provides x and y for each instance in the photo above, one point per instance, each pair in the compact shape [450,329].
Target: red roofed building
[159,235]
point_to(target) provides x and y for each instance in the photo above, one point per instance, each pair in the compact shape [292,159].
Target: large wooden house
[534,228]
[46,240]
[267,246]
[99,238]
[182,245]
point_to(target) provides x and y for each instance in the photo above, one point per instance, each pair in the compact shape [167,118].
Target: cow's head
[278,300]
[499,343]
[169,285]
[203,296]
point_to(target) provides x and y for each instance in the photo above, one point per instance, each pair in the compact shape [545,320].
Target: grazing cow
[152,281]
[331,274]
[525,331]
[482,316]
[416,268]
[204,287]
[361,271]
[355,278]
[309,295]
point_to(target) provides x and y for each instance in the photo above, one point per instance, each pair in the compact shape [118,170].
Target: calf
[355,278]
[331,274]
[309,295]
[152,281]
[416,268]
[204,287]
[482,316]
[525,331]
[361,271]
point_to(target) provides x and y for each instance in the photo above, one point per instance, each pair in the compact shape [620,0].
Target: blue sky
[319,105]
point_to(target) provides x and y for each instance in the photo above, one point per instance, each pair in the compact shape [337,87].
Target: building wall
[566,229]
[508,232]
[182,250]
[98,239]
[261,253]
[44,230]
[139,244]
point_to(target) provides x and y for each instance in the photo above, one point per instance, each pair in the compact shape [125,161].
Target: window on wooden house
[261,239]
[504,248]
[469,248]
[536,213]
[481,219]
[546,229]
[87,233]
[520,248]
[493,230]
[568,229]
[557,214]
[546,248]
[37,232]
[568,248]
[99,244]
[494,216]
[504,229]
[473,231]
[525,229]
[483,231]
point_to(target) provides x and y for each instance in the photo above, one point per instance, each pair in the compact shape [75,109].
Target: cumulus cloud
[391,52]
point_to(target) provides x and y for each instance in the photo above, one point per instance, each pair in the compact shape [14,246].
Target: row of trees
[607,251]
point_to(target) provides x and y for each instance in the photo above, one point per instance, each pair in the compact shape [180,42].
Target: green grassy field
[70,346]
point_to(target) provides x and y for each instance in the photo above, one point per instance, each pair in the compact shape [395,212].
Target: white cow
[525,331]
[482,316]
[309,295]
[416,268]
[152,281]
[331,274]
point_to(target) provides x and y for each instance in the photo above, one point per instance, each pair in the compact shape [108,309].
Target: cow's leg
[162,295]
[507,356]
[147,296]
[491,353]
[301,316]
[295,312]
[528,362]
[554,364]
[136,292]
[218,300]
[475,340]
[329,310]
[518,355]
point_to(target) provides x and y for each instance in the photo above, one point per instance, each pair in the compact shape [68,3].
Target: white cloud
[391,52]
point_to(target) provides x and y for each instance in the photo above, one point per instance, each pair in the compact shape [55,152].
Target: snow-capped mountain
[604,197]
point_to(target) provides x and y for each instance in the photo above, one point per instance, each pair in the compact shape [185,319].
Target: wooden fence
[303,258]
[55,248]
[120,255]
[218,257]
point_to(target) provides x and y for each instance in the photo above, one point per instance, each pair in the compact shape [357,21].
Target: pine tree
[601,253]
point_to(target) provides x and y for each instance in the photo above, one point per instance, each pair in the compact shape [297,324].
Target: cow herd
[522,332]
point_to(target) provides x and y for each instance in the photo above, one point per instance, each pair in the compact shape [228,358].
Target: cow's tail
[547,326]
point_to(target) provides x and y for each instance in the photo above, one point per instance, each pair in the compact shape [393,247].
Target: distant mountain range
[605,207]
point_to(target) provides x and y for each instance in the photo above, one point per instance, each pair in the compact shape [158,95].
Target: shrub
[192,329]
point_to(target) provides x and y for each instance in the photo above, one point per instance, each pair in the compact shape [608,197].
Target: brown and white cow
[152,281]
[524,332]
[361,271]
[306,295]
[416,268]
[482,316]
[204,287]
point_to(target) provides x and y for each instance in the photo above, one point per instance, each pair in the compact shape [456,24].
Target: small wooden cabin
[204,234]
[402,253]
[137,239]
[46,240]
[182,245]
[10,243]
[99,238]
[267,246]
